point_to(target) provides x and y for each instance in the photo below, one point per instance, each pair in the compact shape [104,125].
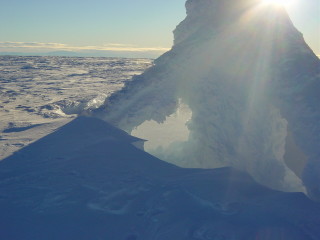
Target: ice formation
[251,83]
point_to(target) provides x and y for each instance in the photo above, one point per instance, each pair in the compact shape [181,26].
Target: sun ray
[278,2]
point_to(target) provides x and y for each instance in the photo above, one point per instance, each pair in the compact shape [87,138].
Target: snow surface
[86,181]
[251,83]
[41,94]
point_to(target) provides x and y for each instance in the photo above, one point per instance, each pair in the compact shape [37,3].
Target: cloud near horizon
[114,47]
[38,46]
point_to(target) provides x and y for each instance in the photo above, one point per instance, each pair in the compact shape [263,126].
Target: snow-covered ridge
[250,81]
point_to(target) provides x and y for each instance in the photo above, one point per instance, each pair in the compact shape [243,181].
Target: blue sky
[121,25]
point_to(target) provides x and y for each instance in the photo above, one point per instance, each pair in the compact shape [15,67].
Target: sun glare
[278,2]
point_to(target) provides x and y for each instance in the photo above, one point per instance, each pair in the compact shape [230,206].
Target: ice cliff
[252,84]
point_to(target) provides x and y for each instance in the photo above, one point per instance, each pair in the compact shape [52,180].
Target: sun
[278,2]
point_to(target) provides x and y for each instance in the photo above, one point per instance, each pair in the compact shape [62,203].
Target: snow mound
[250,81]
[69,107]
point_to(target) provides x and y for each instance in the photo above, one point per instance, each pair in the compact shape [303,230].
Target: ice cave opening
[168,134]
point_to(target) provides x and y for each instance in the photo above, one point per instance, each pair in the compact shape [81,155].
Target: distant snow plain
[40,94]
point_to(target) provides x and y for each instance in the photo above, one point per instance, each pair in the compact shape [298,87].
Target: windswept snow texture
[40,94]
[87,182]
[252,84]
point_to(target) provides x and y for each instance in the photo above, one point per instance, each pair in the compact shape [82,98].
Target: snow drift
[251,83]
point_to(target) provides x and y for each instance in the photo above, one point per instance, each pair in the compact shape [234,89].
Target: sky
[127,27]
